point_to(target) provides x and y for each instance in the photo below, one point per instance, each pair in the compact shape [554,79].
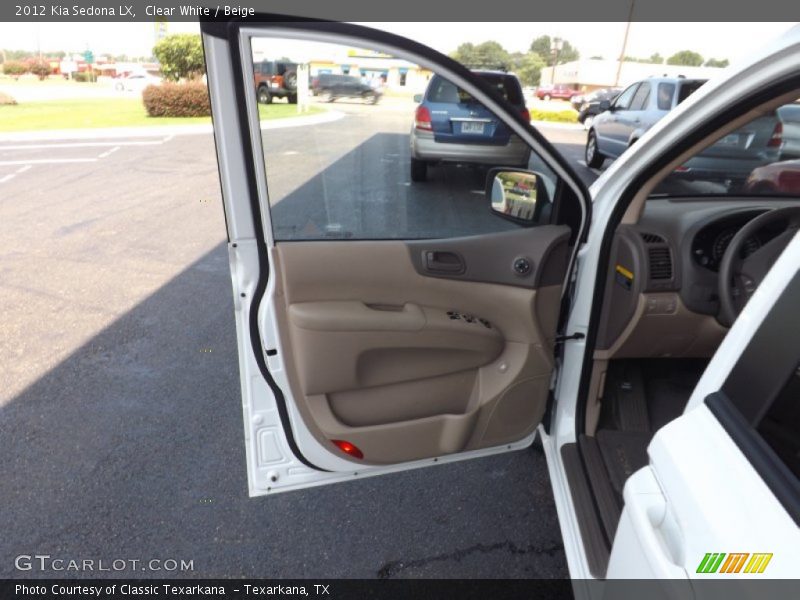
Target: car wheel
[593,157]
[292,98]
[547,97]
[419,170]
[264,96]
[326,96]
[371,98]
[587,122]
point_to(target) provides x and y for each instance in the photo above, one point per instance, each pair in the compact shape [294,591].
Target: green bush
[82,76]
[561,116]
[177,100]
[15,68]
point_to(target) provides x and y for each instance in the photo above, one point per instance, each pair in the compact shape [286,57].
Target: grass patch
[561,116]
[108,112]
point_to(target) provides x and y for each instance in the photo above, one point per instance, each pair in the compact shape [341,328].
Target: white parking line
[7,177]
[25,168]
[81,145]
[46,161]
[109,152]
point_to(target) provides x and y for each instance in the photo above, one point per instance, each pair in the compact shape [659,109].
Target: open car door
[383,323]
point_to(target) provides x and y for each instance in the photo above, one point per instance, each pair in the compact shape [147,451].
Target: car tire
[419,170]
[326,96]
[546,98]
[264,97]
[292,98]
[587,122]
[592,155]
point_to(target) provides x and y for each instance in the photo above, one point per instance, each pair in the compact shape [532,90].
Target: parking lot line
[45,161]
[81,145]
[25,168]
[7,177]
[109,152]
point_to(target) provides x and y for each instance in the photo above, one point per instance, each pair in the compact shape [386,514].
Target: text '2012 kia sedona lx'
[645,329]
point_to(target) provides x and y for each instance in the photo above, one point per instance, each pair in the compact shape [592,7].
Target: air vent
[652,238]
[660,263]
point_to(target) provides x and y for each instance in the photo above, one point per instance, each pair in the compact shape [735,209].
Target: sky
[711,40]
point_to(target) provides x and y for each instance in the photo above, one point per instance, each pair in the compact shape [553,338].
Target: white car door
[382,324]
[721,496]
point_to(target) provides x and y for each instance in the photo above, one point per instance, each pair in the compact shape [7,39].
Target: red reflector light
[348,448]
[526,115]
[777,136]
[422,119]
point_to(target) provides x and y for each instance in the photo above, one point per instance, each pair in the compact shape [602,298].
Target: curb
[157,130]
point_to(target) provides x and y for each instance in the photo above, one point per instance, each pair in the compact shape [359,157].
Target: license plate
[475,128]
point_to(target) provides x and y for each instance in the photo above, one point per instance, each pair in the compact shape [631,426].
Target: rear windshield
[505,85]
[687,89]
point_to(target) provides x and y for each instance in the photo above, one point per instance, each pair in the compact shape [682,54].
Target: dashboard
[662,292]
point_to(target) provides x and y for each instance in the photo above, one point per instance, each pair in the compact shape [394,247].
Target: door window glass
[355,157]
[641,97]
[624,99]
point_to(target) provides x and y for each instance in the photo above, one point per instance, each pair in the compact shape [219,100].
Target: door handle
[443,261]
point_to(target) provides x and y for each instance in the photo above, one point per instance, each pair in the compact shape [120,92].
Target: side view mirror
[516,195]
[605,105]
[418,98]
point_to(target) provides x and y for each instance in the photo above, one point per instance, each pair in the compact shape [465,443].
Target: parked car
[663,390]
[643,104]
[450,126]
[136,82]
[789,114]
[624,120]
[330,86]
[557,92]
[589,107]
[276,79]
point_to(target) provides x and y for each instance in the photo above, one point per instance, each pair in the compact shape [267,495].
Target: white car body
[136,82]
[677,508]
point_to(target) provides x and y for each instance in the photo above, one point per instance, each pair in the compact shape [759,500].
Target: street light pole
[555,46]
[624,44]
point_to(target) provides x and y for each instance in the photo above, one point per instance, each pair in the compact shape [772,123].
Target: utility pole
[624,44]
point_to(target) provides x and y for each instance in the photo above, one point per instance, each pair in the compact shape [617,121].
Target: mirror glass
[513,194]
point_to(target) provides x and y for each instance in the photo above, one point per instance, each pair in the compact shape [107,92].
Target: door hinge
[575,336]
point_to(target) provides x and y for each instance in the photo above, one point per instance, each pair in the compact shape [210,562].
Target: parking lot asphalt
[120,416]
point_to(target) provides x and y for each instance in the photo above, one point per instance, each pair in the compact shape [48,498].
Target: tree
[541,46]
[180,55]
[528,67]
[713,62]
[657,59]
[686,58]
[15,68]
[487,55]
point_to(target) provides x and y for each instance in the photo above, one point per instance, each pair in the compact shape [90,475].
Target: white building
[591,74]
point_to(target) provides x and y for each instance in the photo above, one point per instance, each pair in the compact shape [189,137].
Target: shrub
[41,69]
[6,100]
[82,76]
[561,116]
[15,68]
[177,100]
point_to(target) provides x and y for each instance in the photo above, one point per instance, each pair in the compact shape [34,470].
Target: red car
[558,91]
[777,178]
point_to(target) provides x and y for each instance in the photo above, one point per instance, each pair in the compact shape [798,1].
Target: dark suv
[276,79]
[330,86]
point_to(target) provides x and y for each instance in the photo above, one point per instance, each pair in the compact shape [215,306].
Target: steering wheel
[739,277]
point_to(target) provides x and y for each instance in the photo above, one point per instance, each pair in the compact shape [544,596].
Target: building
[591,74]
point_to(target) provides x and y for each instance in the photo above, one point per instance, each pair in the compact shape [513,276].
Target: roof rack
[487,66]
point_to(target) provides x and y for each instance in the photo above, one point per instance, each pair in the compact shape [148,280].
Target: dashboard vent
[660,263]
[652,238]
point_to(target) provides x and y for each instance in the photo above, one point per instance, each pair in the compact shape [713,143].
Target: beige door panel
[378,361]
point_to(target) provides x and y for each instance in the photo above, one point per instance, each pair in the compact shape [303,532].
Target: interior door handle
[443,261]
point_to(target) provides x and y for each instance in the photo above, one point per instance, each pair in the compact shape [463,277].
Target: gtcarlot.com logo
[45,562]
